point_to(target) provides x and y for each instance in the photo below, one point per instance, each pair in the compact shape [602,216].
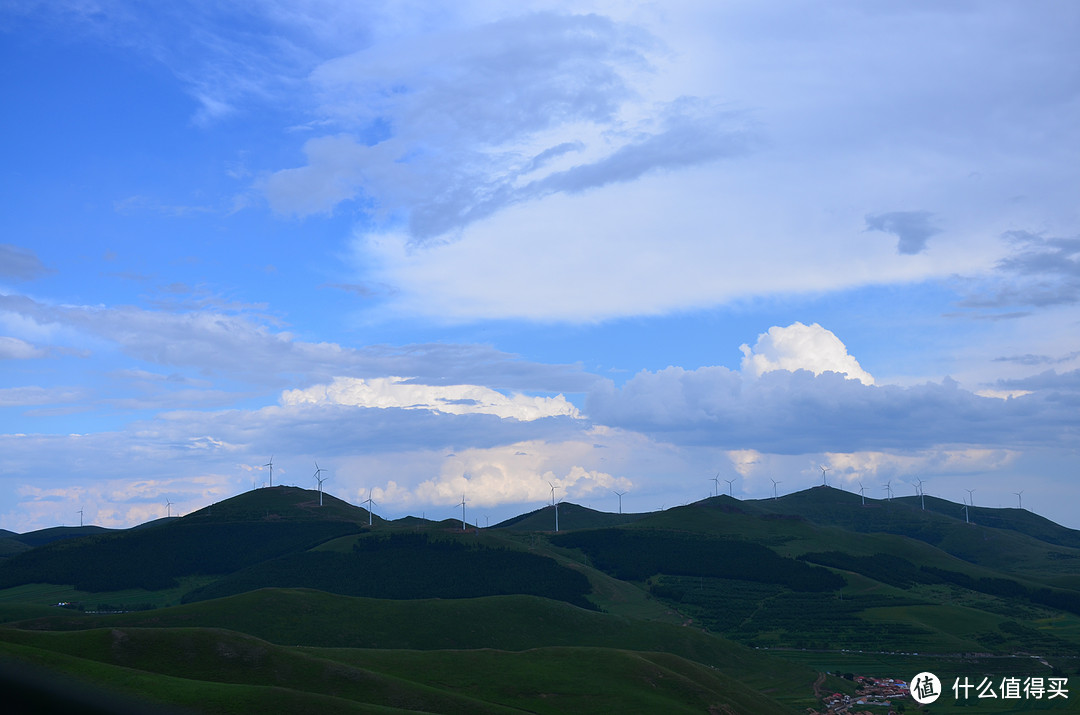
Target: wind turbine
[271,465]
[774,483]
[556,505]
[888,489]
[971,495]
[620,500]
[552,493]
[1019,499]
[862,493]
[966,521]
[369,501]
[716,484]
[168,508]
[80,517]
[729,483]
[922,495]
[318,471]
[463,512]
[824,469]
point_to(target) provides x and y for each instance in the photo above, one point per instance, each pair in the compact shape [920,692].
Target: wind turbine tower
[369,502]
[888,489]
[556,505]
[1019,499]
[552,493]
[774,483]
[862,493]
[320,480]
[620,500]
[271,465]
[922,495]
[824,469]
[729,483]
[716,484]
[971,496]
[80,517]
[463,512]
[168,508]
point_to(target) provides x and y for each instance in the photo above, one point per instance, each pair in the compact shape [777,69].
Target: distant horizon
[503,509]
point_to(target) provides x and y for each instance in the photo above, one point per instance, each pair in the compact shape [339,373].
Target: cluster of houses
[875,692]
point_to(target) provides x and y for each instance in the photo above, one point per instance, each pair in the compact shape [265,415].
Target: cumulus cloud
[801,347]
[912,228]
[516,473]
[452,399]
[798,412]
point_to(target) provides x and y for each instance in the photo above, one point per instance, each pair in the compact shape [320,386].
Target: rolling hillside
[269,571]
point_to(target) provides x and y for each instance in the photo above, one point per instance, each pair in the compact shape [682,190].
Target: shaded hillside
[635,555]
[154,558]
[408,565]
[9,547]
[905,515]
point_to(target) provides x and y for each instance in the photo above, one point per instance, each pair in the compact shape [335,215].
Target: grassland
[188,666]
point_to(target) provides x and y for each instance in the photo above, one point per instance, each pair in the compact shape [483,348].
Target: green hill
[276,504]
[58,533]
[571,518]
[428,609]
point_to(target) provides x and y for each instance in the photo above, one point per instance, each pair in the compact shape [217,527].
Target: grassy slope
[221,672]
[513,623]
[542,680]
[562,680]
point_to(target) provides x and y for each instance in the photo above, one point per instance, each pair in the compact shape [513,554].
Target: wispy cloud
[20,263]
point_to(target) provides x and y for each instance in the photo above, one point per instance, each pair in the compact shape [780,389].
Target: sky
[511,252]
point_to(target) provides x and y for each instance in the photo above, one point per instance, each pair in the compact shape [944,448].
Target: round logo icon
[925,688]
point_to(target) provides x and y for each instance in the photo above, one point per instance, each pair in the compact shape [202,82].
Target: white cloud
[517,473]
[113,503]
[801,347]
[745,461]
[1002,394]
[910,467]
[452,399]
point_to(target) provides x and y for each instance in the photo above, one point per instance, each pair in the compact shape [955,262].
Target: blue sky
[479,249]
